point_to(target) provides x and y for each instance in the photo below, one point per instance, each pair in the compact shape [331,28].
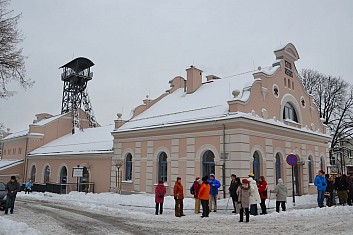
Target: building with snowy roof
[48,152]
[240,124]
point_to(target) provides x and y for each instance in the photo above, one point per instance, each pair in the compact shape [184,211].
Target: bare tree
[334,100]
[12,62]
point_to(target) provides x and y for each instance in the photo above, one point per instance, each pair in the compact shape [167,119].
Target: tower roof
[79,64]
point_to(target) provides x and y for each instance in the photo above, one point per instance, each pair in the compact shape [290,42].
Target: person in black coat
[234,184]
[329,189]
[341,185]
[11,189]
[350,190]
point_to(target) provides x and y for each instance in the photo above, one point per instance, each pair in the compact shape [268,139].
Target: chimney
[193,79]
[118,122]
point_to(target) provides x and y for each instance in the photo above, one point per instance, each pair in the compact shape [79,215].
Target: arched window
[84,180]
[63,179]
[63,175]
[128,167]
[256,166]
[289,112]
[47,174]
[322,164]
[33,173]
[208,164]
[310,169]
[162,166]
[278,167]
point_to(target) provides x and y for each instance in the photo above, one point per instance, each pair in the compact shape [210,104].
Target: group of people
[245,194]
[328,186]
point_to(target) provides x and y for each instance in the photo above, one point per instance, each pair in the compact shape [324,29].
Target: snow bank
[9,226]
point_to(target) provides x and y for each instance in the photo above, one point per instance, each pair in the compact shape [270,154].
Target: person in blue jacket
[28,186]
[321,184]
[214,185]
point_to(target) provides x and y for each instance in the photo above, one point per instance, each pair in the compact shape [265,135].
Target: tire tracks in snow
[82,222]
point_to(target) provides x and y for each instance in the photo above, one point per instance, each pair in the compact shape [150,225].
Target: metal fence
[63,188]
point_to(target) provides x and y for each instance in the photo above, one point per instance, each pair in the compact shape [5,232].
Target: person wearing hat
[197,186]
[204,196]
[214,184]
[234,184]
[244,193]
[254,197]
[281,195]
[178,197]
[252,175]
[11,189]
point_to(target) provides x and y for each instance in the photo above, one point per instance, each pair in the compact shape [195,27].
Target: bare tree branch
[12,62]
[334,100]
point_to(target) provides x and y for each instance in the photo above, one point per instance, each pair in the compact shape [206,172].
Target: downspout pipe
[224,161]
[26,161]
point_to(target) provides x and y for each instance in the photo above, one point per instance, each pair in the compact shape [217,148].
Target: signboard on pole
[292,159]
[77,172]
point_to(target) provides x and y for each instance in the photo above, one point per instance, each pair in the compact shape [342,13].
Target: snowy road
[60,219]
[109,213]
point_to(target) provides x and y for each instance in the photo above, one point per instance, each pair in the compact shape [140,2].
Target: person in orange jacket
[204,196]
[178,197]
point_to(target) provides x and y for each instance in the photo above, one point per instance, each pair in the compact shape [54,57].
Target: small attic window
[285,82]
[275,90]
[289,84]
[302,101]
[292,85]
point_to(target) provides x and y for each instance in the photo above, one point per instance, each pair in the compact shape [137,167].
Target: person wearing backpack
[194,190]
[160,191]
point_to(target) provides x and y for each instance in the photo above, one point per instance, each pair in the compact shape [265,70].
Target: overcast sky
[138,46]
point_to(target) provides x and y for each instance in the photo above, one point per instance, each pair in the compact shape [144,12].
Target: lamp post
[118,164]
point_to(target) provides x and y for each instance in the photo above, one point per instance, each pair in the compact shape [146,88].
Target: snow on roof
[5,164]
[48,120]
[209,101]
[269,70]
[17,134]
[90,140]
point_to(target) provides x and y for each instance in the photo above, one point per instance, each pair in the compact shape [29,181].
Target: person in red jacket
[204,196]
[262,186]
[197,186]
[159,191]
[178,197]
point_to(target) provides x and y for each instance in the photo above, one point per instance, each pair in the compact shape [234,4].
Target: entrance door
[208,164]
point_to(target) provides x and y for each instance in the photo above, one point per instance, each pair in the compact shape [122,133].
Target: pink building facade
[48,152]
[236,125]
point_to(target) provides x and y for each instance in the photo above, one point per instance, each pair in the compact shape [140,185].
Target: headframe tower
[75,76]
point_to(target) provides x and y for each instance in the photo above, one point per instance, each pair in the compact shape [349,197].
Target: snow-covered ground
[304,217]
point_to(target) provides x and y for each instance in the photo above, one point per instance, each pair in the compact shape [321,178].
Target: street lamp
[118,164]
